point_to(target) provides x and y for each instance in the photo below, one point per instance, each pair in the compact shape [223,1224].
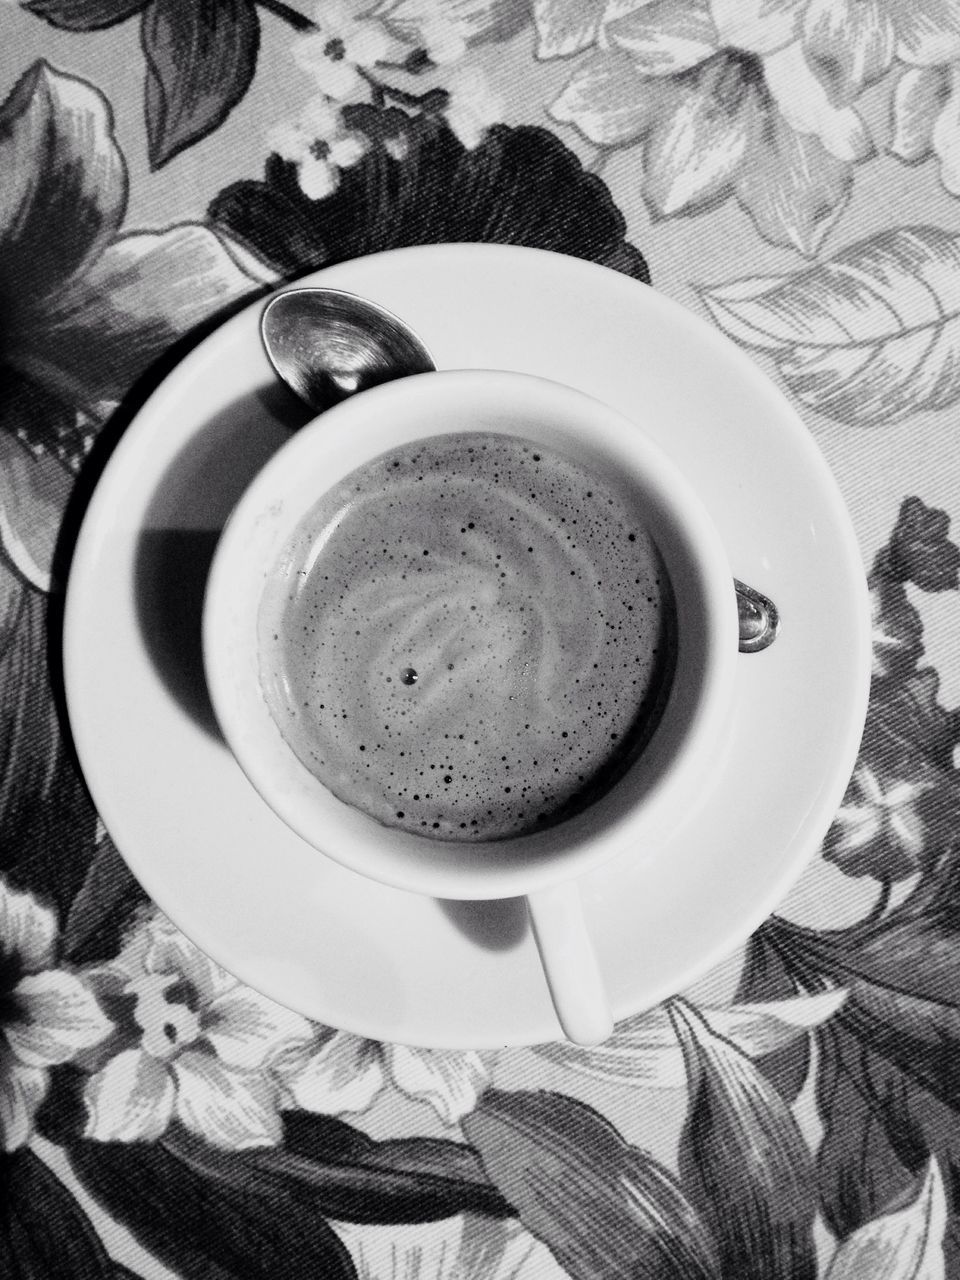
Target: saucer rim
[830,790]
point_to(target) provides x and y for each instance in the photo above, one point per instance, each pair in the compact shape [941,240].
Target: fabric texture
[789,170]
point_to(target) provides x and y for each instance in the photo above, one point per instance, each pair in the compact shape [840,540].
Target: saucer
[375,960]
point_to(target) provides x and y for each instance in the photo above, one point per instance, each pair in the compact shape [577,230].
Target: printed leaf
[44,1234]
[47,819]
[200,61]
[905,1244]
[765,976]
[888,1089]
[644,1050]
[101,909]
[867,338]
[743,1161]
[351,1177]
[83,15]
[871,1146]
[198,1226]
[602,1207]
[919,549]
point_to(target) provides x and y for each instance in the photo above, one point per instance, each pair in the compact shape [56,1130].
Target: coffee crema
[470,637]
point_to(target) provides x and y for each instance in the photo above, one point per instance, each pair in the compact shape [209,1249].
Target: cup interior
[650,796]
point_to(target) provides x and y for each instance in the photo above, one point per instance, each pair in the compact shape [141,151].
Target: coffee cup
[471,634]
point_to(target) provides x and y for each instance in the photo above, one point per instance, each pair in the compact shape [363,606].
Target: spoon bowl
[326,344]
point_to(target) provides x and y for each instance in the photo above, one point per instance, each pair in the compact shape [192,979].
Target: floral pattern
[195,1047]
[788,168]
[341,1073]
[49,1014]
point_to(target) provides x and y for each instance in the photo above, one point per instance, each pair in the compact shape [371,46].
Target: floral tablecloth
[789,169]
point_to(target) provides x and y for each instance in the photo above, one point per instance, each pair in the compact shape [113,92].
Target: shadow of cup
[190,505]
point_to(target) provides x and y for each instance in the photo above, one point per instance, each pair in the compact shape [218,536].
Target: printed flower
[337,55]
[47,1016]
[321,146]
[342,1073]
[851,43]
[880,829]
[468,1247]
[85,310]
[721,100]
[418,184]
[195,1047]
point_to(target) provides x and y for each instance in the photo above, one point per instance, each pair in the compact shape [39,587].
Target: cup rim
[360,429]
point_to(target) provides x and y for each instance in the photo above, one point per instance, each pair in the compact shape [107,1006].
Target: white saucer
[375,960]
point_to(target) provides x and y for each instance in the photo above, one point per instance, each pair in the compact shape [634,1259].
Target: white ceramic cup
[651,798]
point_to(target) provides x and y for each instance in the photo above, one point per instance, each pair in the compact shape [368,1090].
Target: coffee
[470,637]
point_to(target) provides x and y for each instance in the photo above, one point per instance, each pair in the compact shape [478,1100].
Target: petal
[83,15]
[946,137]
[804,104]
[22,1089]
[172,952]
[33,497]
[857,827]
[474,105]
[229,1108]
[791,186]
[928,32]
[368,43]
[27,930]
[918,99]
[759,26]
[609,101]
[451,1082]
[58,1017]
[466,1247]
[349,150]
[904,793]
[908,829]
[318,178]
[565,27]
[849,44]
[665,37]
[130,1100]
[460,21]
[692,154]
[64,190]
[339,80]
[147,290]
[869,784]
[247,1030]
[344,1075]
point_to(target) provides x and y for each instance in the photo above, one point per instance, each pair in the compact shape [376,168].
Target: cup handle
[570,963]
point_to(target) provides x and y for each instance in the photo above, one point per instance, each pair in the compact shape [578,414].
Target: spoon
[326,345]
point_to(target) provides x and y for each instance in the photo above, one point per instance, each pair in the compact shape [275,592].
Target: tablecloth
[789,169]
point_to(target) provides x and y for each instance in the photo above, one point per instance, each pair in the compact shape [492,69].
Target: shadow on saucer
[190,506]
[496,924]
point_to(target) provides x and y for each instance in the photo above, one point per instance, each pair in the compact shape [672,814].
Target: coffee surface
[469,637]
